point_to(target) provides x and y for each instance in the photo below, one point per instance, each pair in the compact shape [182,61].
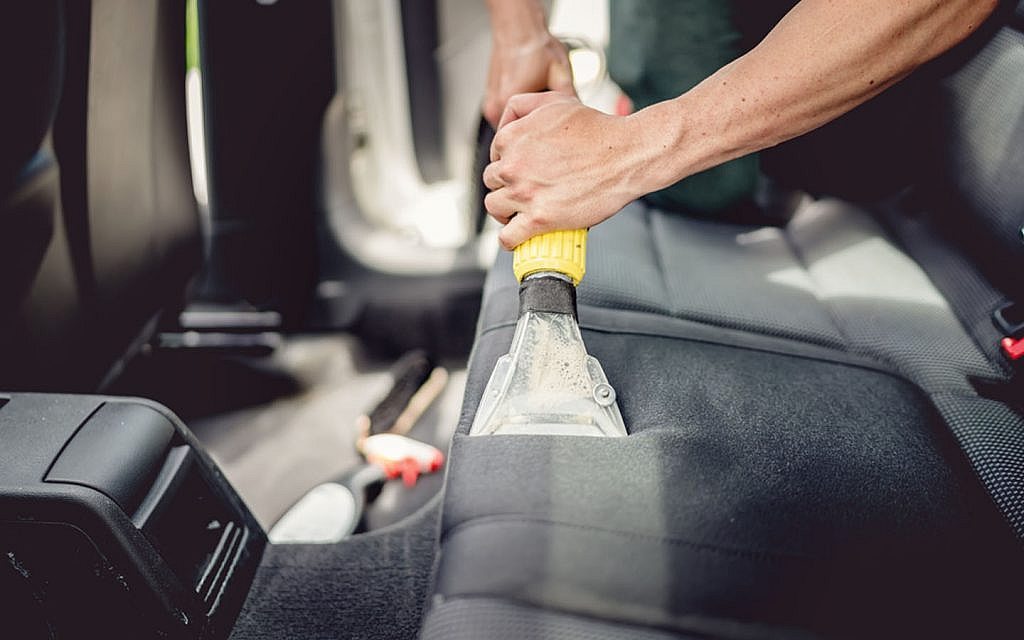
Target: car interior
[243,245]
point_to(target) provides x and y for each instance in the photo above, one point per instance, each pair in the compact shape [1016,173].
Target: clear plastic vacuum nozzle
[547,383]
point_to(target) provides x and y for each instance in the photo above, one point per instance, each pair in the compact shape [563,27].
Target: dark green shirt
[660,49]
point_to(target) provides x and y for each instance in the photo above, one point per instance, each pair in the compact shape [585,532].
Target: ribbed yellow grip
[561,251]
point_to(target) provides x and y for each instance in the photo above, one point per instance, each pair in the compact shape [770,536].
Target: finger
[491,179]
[492,106]
[522,104]
[500,142]
[497,144]
[560,77]
[492,111]
[500,205]
[518,230]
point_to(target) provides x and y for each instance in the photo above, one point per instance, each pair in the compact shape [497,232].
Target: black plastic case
[114,523]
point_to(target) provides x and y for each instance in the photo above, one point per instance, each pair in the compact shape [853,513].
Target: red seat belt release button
[1013,348]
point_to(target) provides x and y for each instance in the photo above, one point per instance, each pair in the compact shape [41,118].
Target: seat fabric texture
[770,485]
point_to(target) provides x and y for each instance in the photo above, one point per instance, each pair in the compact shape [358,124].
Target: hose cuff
[547,294]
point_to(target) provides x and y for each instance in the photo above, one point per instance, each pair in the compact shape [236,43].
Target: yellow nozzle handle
[560,251]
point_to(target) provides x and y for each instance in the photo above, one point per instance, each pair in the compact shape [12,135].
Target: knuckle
[500,140]
[490,202]
[509,167]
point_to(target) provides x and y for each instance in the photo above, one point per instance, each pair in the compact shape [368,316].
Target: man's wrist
[671,147]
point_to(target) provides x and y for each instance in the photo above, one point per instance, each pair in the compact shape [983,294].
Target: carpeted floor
[372,586]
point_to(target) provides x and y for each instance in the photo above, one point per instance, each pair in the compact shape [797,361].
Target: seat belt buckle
[1013,348]
[1009,319]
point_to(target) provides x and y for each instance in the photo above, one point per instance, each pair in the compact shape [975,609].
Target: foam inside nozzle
[548,383]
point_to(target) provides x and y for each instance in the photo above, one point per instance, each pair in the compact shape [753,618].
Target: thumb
[491,111]
[560,78]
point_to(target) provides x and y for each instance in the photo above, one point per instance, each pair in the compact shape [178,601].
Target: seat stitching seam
[659,262]
[766,556]
[801,259]
[871,364]
[686,622]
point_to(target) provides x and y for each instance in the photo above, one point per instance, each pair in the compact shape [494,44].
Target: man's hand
[525,57]
[556,164]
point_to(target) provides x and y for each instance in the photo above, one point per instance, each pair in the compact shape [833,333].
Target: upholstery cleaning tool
[417,383]
[382,433]
[547,383]
[333,510]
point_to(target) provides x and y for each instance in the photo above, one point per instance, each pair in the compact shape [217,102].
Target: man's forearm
[517,21]
[822,60]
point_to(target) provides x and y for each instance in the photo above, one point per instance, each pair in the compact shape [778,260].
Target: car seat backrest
[40,307]
[977,149]
[99,225]
[143,223]
[31,86]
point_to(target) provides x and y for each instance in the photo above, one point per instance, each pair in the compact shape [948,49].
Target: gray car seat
[100,227]
[825,438]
